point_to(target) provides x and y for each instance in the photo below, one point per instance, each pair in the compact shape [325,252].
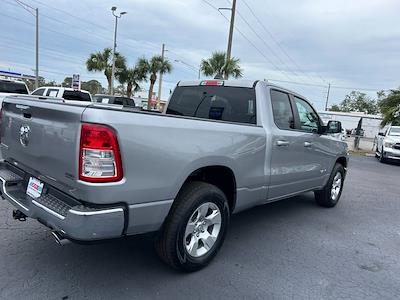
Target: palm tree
[102,62]
[155,65]
[218,67]
[134,76]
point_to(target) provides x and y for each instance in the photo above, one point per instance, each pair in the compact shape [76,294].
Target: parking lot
[291,249]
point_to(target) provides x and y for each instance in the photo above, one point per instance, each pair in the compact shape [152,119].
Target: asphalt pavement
[290,249]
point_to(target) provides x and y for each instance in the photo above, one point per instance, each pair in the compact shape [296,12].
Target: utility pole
[327,97]
[161,75]
[113,9]
[37,49]
[231,28]
[34,12]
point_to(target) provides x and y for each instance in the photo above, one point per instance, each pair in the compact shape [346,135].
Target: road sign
[76,82]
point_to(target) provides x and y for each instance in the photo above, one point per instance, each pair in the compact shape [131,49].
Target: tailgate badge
[24,135]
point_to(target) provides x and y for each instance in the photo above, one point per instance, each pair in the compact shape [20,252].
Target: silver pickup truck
[90,171]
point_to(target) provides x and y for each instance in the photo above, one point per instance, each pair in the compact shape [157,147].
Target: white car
[12,87]
[63,93]
[388,144]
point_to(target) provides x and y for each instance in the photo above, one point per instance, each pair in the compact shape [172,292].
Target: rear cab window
[13,87]
[118,101]
[224,103]
[52,92]
[76,96]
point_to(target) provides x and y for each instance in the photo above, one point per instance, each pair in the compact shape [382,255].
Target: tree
[102,62]
[218,67]
[389,105]
[334,107]
[153,66]
[119,90]
[92,86]
[67,82]
[132,77]
[31,83]
[359,102]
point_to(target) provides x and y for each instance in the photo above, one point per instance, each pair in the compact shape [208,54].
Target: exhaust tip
[59,238]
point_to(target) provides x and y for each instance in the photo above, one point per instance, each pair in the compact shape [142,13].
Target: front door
[287,156]
[314,166]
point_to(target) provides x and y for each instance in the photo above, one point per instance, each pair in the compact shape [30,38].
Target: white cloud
[348,43]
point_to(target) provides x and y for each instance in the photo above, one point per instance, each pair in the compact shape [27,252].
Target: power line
[88,22]
[250,42]
[69,14]
[326,86]
[73,25]
[278,43]
[48,29]
[266,44]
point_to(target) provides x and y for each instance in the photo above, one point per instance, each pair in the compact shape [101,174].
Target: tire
[382,159]
[176,242]
[327,197]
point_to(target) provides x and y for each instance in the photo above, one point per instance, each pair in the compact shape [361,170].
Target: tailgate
[42,136]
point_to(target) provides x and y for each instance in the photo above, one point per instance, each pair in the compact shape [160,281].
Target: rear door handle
[307,144]
[282,143]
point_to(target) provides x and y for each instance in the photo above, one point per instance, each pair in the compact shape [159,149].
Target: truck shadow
[131,264]
[131,256]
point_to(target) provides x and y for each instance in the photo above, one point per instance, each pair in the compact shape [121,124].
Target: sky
[301,45]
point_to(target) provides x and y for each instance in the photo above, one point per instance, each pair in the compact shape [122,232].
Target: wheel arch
[221,176]
[343,161]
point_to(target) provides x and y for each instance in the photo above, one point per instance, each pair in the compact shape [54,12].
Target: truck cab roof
[63,93]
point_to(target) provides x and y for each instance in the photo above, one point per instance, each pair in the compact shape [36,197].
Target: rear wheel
[330,195]
[195,228]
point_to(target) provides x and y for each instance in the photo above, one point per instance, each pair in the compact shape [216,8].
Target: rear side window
[76,95]
[38,92]
[118,101]
[232,104]
[282,110]
[129,102]
[52,92]
[13,88]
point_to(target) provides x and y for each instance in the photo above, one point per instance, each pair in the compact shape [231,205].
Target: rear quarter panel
[159,152]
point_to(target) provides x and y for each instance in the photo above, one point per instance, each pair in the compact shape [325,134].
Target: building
[371,124]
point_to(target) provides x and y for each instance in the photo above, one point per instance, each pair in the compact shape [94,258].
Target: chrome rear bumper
[59,211]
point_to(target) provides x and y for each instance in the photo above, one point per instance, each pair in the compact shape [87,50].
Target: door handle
[282,143]
[307,144]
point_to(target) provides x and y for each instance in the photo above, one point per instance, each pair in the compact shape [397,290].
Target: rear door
[287,158]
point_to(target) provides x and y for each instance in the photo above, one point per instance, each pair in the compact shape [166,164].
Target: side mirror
[381,133]
[334,127]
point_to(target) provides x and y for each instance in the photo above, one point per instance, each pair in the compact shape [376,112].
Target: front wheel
[330,195]
[382,157]
[195,228]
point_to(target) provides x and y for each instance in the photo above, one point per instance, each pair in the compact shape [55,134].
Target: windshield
[77,96]
[395,131]
[232,104]
[13,87]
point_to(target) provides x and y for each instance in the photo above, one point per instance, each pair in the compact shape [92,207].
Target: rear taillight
[99,155]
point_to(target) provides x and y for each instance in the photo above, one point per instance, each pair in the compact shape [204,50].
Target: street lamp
[117,16]
[190,66]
